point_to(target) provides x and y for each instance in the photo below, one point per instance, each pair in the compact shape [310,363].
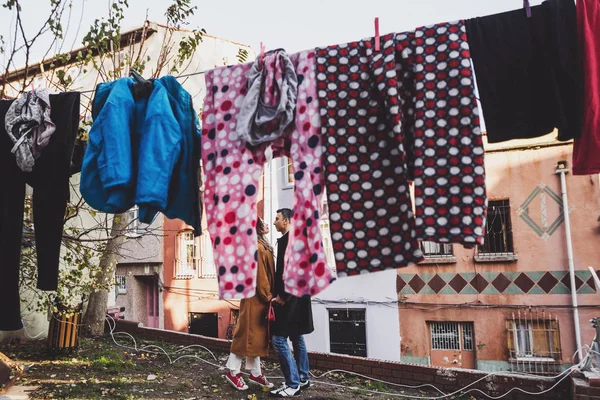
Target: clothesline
[177,77]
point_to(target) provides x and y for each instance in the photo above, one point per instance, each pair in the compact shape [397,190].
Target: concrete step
[18,393]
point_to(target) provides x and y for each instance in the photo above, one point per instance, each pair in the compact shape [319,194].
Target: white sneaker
[305,384]
[285,391]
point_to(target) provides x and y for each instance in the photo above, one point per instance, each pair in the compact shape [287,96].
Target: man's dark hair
[286,213]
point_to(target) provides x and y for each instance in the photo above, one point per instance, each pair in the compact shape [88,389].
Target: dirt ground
[102,370]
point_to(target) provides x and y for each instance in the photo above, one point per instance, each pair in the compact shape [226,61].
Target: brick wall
[447,380]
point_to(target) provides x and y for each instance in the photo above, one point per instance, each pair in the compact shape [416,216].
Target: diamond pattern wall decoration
[567,281]
[524,282]
[509,283]
[547,282]
[591,283]
[458,283]
[400,283]
[501,282]
[543,228]
[479,283]
[436,283]
[416,284]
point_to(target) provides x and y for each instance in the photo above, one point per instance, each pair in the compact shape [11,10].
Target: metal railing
[436,250]
[534,342]
[498,239]
[447,335]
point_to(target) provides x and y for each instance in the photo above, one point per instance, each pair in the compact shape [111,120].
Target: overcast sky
[293,26]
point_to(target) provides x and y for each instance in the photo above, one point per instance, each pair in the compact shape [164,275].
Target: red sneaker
[261,380]
[236,381]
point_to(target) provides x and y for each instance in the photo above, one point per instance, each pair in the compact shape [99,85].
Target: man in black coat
[293,318]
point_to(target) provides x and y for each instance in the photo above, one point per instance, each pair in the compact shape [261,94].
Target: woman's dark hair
[260,227]
[260,232]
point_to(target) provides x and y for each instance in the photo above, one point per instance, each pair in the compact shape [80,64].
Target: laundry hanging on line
[368,119]
[29,126]
[406,111]
[528,71]
[49,179]
[232,169]
[587,148]
[143,151]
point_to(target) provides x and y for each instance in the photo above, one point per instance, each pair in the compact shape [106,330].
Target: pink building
[507,305]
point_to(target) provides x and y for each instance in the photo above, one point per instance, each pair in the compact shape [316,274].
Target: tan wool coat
[251,333]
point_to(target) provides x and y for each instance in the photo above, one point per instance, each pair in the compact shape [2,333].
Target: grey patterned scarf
[29,126]
[259,122]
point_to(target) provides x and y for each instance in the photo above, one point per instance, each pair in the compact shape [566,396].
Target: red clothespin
[262,53]
[377,34]
[527,8]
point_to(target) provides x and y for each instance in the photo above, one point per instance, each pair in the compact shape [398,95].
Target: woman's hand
[278,300]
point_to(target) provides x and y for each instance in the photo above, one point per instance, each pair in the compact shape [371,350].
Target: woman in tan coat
[251,336]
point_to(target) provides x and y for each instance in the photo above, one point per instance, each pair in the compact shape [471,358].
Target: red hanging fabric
[586,149]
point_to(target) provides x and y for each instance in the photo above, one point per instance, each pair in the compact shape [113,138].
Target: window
[347,332]
[327,246]
[451,336]
[536,339]
[498,241]
[121,284]
[534,345]
[436,250]
[207,258]
[287,172]
[133,222]
[205,324]
[290,171]
[452,344]
[185,256]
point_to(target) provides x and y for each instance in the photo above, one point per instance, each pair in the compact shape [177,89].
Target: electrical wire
[431,307]
[563,375]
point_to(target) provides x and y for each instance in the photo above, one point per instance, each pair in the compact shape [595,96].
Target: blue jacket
[169,156]
[143,152]
[107,172]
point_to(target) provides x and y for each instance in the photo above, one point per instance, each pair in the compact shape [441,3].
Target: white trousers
[234,364]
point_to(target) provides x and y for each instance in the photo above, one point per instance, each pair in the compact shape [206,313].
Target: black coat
[295,316]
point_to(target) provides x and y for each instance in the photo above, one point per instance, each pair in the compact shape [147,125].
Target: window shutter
[510,338]
[177,255]
[177,247]
[555,340]
[541,342]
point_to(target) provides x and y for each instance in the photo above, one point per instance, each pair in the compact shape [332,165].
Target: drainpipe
[562,170]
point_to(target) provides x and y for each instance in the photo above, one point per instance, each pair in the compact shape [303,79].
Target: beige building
[139,275]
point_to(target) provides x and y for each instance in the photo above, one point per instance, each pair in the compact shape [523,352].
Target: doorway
[152,300]
[452,344]
[348,332]
[205,324]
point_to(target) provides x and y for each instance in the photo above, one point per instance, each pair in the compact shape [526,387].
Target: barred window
[133,222]
[121,284]
[185,256]
[449,335]
[436,250]
[498,239]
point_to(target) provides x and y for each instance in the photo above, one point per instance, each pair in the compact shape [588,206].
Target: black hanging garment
[50,182]
[528,71]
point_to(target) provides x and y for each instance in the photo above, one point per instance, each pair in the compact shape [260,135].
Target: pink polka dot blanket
[233,169]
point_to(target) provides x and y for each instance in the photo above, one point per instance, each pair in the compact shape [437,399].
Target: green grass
[112,361]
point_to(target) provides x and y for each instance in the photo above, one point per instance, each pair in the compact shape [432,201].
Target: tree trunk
[93,320]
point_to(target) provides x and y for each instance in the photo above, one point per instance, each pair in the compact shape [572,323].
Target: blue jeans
[294,370]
